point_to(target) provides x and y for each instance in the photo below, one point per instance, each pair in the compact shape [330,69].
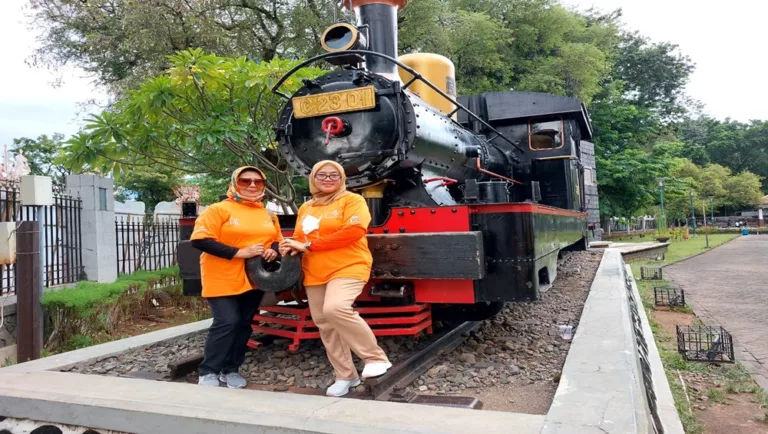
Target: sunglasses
[246,182]
[323,176]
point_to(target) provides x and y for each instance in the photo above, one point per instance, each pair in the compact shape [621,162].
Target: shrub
[89,308]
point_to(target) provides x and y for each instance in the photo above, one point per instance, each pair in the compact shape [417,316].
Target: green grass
[682,249]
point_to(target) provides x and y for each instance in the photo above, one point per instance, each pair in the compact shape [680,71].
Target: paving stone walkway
[729,286]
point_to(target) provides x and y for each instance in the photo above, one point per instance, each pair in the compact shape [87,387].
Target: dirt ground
[724,398]
[159,319]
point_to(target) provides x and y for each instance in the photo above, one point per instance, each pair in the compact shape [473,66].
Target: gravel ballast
[520,348]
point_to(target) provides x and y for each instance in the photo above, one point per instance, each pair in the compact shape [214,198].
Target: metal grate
[650,273]
[705,343]
[669,295]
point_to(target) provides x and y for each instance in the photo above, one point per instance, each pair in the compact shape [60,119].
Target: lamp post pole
[706,232]
[661,195]
[693,215]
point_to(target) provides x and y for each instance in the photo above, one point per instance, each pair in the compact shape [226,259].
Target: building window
[102,199]
[546,133]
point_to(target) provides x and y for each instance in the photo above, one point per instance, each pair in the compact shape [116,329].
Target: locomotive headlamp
[341,37]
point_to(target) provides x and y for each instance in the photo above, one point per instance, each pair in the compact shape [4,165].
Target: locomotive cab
[550,130]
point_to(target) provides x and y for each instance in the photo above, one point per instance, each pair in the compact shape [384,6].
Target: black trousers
[229,333]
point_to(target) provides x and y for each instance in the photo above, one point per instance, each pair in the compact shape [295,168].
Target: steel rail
[404,372]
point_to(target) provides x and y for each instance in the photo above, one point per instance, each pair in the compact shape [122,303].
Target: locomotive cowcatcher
[472,198]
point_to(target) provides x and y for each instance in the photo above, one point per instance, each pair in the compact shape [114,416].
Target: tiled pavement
[729,287]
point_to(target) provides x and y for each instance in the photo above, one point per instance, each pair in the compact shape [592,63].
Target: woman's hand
[269,255]
[292,246]
[250,251]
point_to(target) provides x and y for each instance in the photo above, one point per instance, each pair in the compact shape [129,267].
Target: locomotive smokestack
[381,18]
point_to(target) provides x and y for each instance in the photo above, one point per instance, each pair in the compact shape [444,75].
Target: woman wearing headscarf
[228,233]
[330,231]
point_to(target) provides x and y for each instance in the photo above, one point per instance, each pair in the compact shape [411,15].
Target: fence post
[29,312]
[97,225]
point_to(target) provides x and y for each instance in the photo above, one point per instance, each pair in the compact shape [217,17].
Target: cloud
[29,104]
[724,41]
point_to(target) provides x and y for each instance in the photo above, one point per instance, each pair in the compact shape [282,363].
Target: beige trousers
[341,328]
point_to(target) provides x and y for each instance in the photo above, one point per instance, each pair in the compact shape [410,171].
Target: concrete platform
[631,251]
[601,389]
[140,406]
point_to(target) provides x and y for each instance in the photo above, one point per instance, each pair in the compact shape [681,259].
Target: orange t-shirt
[236,225]
[331,256]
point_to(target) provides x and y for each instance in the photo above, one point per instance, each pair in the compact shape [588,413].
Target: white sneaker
[375,369]
[341,387]
[209,380]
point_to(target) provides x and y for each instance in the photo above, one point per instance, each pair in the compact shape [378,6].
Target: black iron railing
[63,252]
[145,245]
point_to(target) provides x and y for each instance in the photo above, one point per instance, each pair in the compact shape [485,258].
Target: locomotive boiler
[473,198]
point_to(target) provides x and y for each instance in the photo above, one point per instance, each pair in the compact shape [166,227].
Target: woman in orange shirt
[229,232]
[330,231]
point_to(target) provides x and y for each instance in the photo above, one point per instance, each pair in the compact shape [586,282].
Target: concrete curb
[141,406]
[603,384]
[96,352]
[668,415]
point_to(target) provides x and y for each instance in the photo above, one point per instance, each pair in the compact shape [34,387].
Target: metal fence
[63,253]
[145,245]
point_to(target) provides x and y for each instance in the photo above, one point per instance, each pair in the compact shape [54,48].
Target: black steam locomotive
[473,198]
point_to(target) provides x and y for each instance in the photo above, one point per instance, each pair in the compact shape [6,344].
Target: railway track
[392,386]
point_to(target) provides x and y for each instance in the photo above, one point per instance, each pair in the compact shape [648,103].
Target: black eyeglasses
[323,176]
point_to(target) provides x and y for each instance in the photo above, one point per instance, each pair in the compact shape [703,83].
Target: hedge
[90,308]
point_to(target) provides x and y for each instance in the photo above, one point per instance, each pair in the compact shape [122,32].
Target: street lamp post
[661,196]
[706,231]
[693,215]
[663,223]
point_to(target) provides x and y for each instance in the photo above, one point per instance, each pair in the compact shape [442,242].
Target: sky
[724,40]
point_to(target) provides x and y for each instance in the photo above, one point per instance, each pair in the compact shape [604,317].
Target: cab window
[545,133]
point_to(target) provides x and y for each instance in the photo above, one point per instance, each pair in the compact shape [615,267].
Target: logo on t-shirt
[234,221]
[333,214]
[354,220]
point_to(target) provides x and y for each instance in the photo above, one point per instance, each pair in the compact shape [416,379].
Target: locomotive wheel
[468,312]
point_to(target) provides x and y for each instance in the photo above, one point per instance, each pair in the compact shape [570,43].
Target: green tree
[628,182]
[148,185]
[654,74]
[206,115]
[736,145]
[122,43]
[41,154]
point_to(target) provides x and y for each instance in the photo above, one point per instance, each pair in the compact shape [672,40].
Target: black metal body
[482,205]
[521,252]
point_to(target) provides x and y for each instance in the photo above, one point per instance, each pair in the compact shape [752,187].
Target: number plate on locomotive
[340,101]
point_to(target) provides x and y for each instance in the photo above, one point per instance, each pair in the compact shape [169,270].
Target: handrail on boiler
[416,76]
